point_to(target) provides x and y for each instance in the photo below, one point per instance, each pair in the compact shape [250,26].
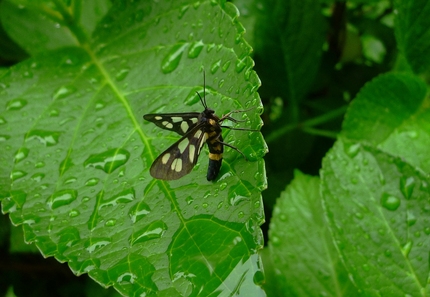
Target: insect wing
[179,159]
[180,123]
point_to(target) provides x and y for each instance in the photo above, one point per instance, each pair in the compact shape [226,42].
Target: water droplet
[195,49]
[241,214]
[17,174]
[2,121]
[61,198]
[139,211]
[122,74]
[359,215]
[74,213]
[235,198]
[92,182]
[173,57]
[390,202]
[110,223]
[240,64]
[40,164]
[407,185]
[352,149]
[70,180]
[28,74]
[16,104]
[21,154]
[126,196]
[215,66]
[222,186]
[109,160]
[411,218]
[427,230]
[225,66]
[37,177]
[64,92]
[4,137]
[95,243]
[406,249]
[47,138]
[182,11]
[152,231]
[210,47]
[189,200]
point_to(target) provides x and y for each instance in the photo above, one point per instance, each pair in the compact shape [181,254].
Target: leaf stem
[306,125]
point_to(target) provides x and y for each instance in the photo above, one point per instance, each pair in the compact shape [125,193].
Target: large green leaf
[76,151]
[301,245]
[375,188]
[413,32]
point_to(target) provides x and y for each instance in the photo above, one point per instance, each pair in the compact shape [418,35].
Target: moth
[196,129]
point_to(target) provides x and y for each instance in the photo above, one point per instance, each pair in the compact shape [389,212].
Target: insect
[196,128]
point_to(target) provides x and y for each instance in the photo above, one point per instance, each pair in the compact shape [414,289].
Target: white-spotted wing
[180,123]
[179,159]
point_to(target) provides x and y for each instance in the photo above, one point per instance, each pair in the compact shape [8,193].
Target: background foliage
[345,95]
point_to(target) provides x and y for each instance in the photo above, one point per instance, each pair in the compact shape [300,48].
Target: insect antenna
[203,100]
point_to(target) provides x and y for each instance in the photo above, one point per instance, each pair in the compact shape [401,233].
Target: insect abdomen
[215,155]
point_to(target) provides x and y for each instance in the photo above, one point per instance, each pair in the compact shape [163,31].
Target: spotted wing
[180,123]
[179,159]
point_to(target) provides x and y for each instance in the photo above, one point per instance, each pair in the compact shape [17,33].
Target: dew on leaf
[407,185]
[17,174]
[61,198]
[411,218]
[109,160]
[189,200]
[96,243]
[222,186]
[241,214]
[125,196]
[390,202]
[4,137]
[63,92]
[74,213]
[122,74]
[21,154]
[154,230]
[240,64]
[2,121]
[406,249]
[110,223]
[54,113]
[126,278]
[70,180]
[16,104]
[215,66]
[47,138]
[225,66]
[171,60]
[210,47]
[182,11]
[139,211]
[66,120]
[221,83]
[92,182]
[427,230]
[195,49]
[37,177]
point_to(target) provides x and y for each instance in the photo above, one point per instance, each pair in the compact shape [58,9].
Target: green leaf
[391,113]
[77,151]
[413,32]
[288,32]
[377,206]
[301,247]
